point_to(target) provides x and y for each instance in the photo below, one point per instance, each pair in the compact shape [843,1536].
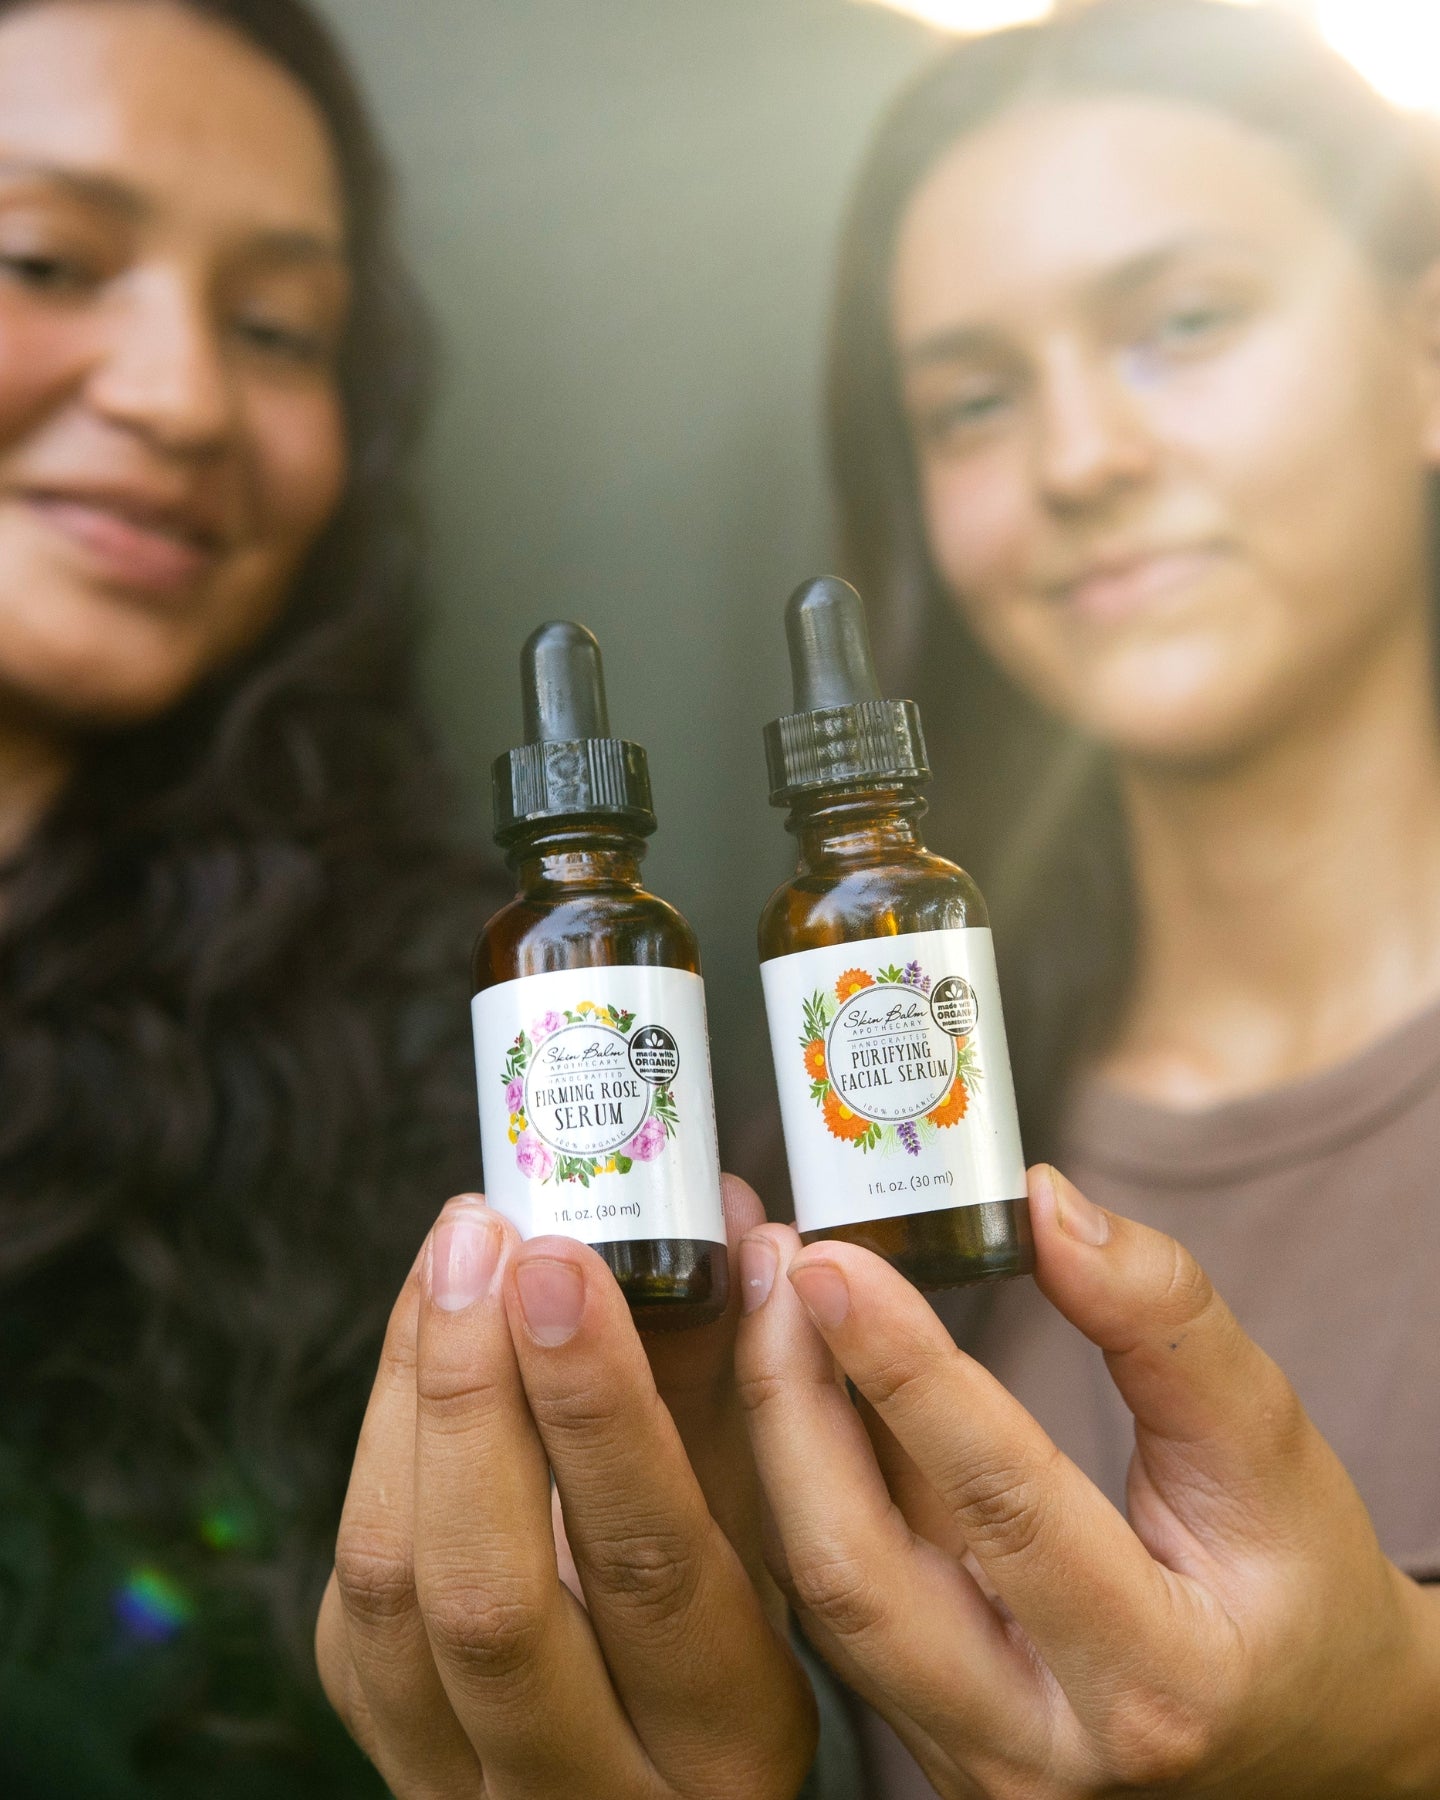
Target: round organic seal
[654,1055]
[953,1003]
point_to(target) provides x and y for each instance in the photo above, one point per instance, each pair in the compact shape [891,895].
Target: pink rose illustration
[647,1142]
[515,1094]
[543,1026]
[532,1158]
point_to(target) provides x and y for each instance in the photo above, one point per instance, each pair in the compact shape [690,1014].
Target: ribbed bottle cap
[841,731]
[569,765]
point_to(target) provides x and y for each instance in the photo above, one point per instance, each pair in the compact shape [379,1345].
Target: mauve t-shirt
[1315,1208]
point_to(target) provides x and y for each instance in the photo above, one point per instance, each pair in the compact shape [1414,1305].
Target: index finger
[511,1645]
[702,1675]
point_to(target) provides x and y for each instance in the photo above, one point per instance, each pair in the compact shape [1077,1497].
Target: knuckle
[492,1633]
[1186,1293]
[1155,1739]
[455,1395]
[894,1380]
[1001,1508]
[759,1389]
[583,1411]
[653,1573]
[839,1591]
[374,1574]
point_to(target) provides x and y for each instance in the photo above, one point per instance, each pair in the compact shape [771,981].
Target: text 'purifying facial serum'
[880,986]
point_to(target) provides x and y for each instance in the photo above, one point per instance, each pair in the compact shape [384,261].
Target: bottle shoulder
[920,892]
[583,929]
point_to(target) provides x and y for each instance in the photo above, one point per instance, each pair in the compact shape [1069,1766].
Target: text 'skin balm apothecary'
[880,987]
[597,1119]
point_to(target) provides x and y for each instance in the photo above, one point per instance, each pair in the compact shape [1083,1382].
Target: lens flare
[1395,44]
[150,1607]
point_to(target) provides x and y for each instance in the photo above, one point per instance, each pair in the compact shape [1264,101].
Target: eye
[282,341]
[964,413]
[1191,326]
[44,274]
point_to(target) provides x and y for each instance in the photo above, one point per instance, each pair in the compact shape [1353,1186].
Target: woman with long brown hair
[1135,408]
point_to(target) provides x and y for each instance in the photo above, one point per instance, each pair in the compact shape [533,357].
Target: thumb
[1200,1389]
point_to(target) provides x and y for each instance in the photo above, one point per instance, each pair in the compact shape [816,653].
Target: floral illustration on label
[889,1056]
[588,1095]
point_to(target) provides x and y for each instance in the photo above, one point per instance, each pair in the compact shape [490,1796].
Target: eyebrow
[278,244]
[84,184]
[961,342]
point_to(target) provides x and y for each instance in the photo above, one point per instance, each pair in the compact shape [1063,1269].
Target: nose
[162,374]
[1090,441]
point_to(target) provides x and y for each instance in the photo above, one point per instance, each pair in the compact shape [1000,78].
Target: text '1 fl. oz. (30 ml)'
[880,987]
[597,1119]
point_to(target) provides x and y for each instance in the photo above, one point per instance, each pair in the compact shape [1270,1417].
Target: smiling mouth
[1114,592]
[127,542]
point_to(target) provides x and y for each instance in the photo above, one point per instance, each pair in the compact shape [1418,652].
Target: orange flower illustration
[851,982]
[951,1109]
[841,1122]
[815,1060]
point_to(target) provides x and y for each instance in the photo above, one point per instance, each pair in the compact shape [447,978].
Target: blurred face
[1171,427]
[172,289]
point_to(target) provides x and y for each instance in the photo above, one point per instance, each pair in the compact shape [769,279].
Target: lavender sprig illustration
[916,978]
[909,1136]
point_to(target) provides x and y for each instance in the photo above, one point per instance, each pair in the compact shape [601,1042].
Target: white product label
[895,1084]
[597,1118]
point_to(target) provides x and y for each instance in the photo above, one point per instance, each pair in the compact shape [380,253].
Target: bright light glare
[972,15]
[1395,44]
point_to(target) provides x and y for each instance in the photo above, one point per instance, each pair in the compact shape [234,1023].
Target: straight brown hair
[1032,810]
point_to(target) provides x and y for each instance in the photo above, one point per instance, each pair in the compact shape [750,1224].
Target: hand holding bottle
[447,1640]
[1241,1634]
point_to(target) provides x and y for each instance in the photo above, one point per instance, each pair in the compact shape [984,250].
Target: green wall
[625,212]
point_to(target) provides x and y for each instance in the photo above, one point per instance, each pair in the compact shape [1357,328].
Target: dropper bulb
[830,661]
[562,684]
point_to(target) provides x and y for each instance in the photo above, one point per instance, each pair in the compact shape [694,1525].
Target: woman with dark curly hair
[234,1053]
[232,1003]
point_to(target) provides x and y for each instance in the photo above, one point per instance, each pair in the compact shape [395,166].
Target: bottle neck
[555,857]
[847,828]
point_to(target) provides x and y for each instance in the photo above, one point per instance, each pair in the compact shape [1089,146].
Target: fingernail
[552,1297]
[1079,1218]
[465,1249]
[758,1263]
[822,1287]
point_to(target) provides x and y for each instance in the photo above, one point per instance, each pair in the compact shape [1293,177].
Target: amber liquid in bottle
[864,873]
[890,1057]
[581,905]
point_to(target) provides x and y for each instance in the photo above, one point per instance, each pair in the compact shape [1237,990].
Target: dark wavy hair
[233,1003]
[1031,809]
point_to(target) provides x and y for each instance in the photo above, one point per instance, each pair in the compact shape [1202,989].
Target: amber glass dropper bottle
[597,1119]
[880,986]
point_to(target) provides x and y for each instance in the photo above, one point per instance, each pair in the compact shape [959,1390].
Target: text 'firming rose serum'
[597,1119]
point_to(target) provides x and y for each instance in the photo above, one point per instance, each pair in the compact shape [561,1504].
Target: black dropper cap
[841,733]
[569,765]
